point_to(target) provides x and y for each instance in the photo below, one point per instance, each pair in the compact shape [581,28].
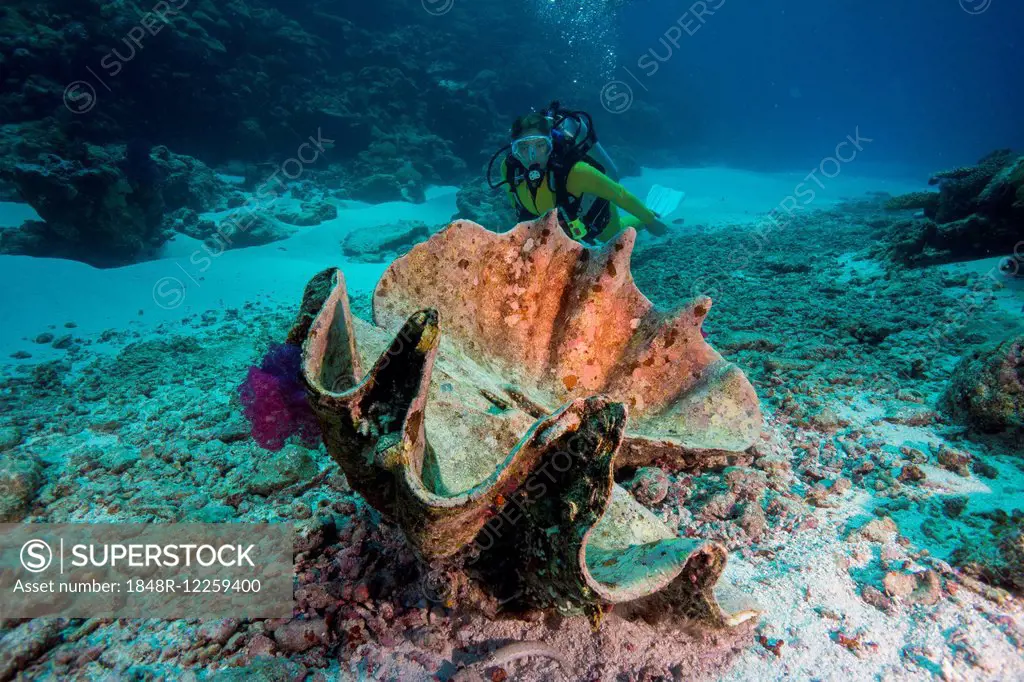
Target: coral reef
[408,102]
[400,164]
[477,202]
[203,77]
[250,79]
[977,212]
[449,431]
[923,201]
[107,206]
[986,390]
[177,77]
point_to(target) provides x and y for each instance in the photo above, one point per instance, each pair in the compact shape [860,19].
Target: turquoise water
[774,432]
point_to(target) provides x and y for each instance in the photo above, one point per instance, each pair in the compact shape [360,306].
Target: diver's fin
[663,200]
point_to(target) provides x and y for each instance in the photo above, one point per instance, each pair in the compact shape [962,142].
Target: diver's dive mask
[533,150]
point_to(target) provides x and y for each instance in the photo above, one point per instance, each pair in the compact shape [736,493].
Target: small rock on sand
[20,479]
[10,438]
[826,420]
[878,530]
[285,468]
[872,595]
[649,486]
[923,588]
[956,461]
[300,635]
[752,520]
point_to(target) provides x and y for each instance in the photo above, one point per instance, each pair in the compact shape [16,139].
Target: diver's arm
[510,191]
[585,179]
[610,169]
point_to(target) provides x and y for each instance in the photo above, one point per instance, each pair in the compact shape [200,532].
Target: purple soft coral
[275,400]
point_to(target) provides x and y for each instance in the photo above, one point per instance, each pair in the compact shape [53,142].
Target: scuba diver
[556,162]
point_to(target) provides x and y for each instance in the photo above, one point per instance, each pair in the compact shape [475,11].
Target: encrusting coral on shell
[526,369]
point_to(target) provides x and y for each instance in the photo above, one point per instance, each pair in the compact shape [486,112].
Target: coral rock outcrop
[987,389]
[106,205]
[976,213]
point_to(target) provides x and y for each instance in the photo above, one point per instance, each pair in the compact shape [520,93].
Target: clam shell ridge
[449,478]
[563,321]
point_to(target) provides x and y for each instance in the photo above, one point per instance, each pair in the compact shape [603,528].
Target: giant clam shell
[520,370]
